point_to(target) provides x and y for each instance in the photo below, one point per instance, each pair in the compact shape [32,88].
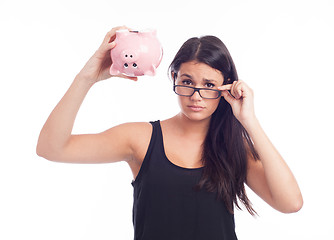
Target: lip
[195,108]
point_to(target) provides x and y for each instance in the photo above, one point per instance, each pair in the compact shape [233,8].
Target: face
[199,75]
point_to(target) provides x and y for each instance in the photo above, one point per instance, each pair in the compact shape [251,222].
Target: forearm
[284,190]
[58,127]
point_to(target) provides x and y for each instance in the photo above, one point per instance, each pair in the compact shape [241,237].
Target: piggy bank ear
[113,71]
[151,71]
[121,33]
[148,32]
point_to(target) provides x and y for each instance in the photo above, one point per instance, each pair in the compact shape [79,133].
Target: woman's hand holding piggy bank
[136,53]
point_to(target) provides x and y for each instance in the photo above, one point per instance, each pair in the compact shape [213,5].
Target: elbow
[41,152]
[41,148]
[294,206]
[298,205]
[49,149]
[44,152]
[51,153]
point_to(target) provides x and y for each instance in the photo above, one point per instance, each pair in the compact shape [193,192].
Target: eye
[134,65]
[186,82]
[209,85]
[126,65]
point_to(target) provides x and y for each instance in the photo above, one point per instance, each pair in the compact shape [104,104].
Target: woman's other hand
[241,99]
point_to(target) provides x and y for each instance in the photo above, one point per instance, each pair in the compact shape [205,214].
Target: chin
[197,116]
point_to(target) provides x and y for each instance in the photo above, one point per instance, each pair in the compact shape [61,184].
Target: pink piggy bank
[136,53]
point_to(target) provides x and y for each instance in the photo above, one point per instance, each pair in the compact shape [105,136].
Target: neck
[192,128]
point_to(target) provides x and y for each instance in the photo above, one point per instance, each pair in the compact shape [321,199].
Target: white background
[282,49]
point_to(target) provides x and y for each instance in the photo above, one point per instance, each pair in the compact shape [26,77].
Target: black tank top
[167,207]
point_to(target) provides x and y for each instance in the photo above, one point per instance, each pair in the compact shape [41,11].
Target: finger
[111,45]
[236,89]
[225,87]
[111,35]
[127,77]
[133,78]
[228,97]
[104,50]
[109,40]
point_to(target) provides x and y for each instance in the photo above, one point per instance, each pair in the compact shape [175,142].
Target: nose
[196,96]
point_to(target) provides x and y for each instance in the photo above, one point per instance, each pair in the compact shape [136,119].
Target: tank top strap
[155,143]
[158,134]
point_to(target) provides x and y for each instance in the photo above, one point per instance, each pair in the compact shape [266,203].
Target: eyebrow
[204,79]
[186,75]
[209,80]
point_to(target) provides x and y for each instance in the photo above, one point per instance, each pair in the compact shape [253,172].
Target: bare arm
[270,178]
[56,141]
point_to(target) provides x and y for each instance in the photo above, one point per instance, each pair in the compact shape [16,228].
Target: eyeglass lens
[189,91]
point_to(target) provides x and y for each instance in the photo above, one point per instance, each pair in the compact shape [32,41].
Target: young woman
[190,170]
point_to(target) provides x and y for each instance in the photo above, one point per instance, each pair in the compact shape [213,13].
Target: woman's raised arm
[56,141]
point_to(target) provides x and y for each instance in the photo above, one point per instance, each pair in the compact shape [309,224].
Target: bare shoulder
[136,129]
[133,131]
[138,135]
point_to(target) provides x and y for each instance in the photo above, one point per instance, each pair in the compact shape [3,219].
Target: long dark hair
[227,144]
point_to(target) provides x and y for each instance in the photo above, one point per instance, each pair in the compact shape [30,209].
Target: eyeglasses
[187,91]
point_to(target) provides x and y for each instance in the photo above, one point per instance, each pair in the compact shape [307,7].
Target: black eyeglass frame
[197,90]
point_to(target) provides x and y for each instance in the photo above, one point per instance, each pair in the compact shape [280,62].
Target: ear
[174,76]
[121,33]
[148,32]
[113,71]
[151,71]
